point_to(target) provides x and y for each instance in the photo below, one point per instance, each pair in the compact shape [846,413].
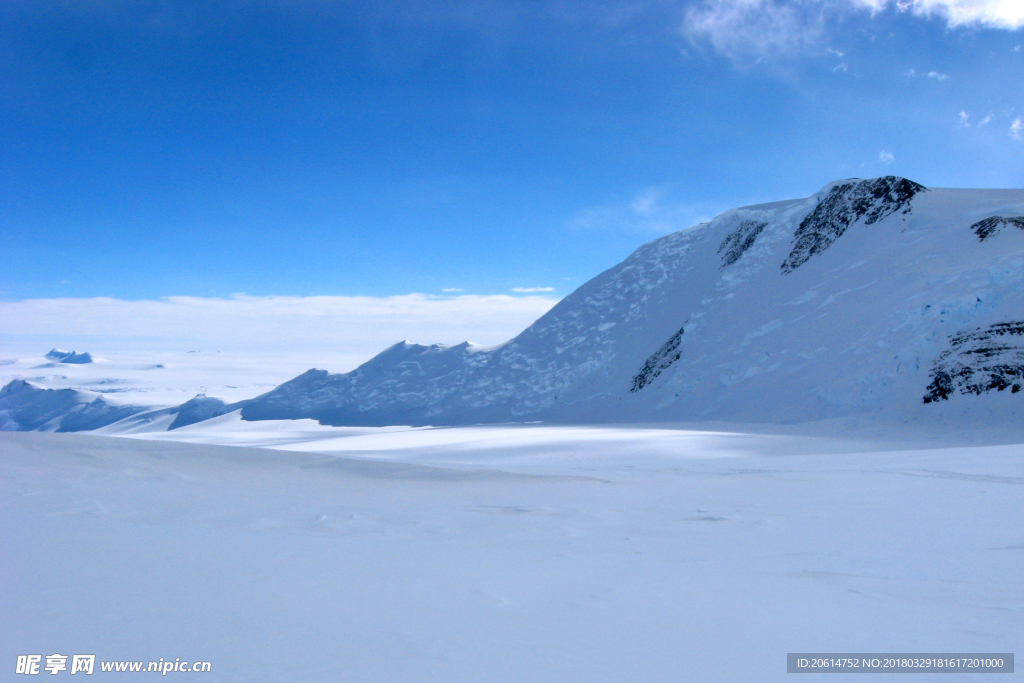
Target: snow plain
[509,552]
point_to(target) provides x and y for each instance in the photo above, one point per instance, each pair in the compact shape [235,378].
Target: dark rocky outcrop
[991,226]
[843,206]
[660,360]
[738,241]
[981,360]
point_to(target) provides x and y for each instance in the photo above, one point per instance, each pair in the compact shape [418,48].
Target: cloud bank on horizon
[357,326]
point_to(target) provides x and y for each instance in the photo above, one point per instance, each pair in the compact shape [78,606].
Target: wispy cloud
[1017,129]
[842,65]
[529,290]
[754,30]
[934,75]
[886,157]
[759,30]
[452,289]
[349,325]
[654,210]
[965,120]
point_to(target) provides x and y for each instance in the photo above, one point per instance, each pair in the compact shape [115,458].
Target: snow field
[475,555]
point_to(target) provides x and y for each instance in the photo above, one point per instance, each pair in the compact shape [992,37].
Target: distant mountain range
[870,296]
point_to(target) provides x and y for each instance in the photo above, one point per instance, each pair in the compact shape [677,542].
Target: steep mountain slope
[870,295]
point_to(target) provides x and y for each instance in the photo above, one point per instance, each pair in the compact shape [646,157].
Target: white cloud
[964,116]
[452,289]
[985,121]
[760,30]
[1003,14]
[360,326]
[1017,130]
[886,157]
[528,290]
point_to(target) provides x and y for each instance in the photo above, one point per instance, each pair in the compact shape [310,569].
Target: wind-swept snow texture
[507,554]
[838,304]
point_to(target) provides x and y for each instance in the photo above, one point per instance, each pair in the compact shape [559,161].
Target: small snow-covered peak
[15,385]
[25,407]
[61,356]
[197,409]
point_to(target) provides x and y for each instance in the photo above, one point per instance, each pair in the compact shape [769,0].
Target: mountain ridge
[870,296]
[663,335]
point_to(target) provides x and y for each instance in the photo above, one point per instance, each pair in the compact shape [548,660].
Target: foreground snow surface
[525,553]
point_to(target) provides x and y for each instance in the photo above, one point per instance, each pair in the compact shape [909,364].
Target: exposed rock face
[990,227]
[661,360]
[739,240]
[844,205]
[984,359]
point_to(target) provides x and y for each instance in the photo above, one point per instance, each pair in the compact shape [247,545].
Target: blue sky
[312,147]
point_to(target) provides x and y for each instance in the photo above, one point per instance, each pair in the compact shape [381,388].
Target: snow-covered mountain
[25,407]
[871,295]
[72,357]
